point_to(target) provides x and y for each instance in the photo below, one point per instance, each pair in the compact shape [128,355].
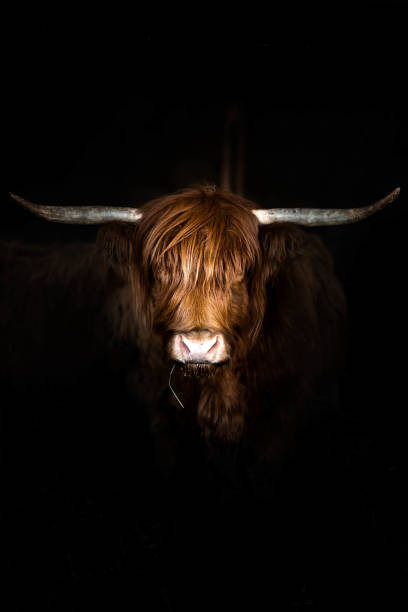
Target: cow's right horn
[81,215]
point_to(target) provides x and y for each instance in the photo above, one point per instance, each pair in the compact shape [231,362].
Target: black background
[104,114]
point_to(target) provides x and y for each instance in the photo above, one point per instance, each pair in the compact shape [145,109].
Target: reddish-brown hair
[199,258]
[199,244]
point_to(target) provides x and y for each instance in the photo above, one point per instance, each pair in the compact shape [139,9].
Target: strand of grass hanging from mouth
[171,388]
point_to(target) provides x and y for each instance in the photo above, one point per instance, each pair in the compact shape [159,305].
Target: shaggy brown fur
[198,259]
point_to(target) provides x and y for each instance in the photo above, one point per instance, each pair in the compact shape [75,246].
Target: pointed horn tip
[20,200]
[395,193]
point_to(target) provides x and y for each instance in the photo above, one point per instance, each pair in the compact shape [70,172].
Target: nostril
[214,344]
[184,345]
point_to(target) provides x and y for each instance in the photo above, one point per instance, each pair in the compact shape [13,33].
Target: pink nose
[198,350]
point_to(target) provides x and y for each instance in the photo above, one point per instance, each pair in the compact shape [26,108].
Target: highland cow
[235,312]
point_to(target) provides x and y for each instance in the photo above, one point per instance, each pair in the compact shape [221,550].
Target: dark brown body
[270,293]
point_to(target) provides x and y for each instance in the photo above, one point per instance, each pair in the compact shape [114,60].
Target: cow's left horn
[81,215]
[323,216]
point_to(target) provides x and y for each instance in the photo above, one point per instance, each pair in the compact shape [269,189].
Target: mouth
[198,369]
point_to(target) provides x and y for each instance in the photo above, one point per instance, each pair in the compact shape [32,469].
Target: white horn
[81,215]
[323,216]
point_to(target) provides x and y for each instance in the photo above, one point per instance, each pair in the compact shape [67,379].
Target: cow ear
[116,242]
[278,242]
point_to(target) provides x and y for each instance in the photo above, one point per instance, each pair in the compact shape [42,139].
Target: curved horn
[323,216]
[83,215]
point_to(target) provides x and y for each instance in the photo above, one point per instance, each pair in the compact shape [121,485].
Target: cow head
[200,260]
